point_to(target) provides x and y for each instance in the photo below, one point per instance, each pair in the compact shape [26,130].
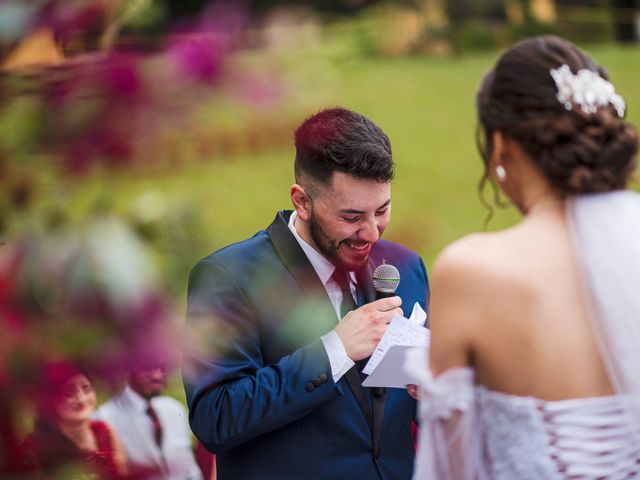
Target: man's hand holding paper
[403,334]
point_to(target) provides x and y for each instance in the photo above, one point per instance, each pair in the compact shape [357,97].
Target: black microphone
[386,279]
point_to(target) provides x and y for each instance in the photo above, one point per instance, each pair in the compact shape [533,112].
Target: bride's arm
[455,307]
[448,439]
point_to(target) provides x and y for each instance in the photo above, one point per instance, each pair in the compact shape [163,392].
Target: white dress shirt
[126,414]
[338,358]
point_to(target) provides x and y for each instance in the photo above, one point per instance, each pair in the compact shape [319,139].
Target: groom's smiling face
[347,217]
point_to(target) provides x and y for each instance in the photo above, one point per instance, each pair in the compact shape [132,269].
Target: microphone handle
[381,294]
[378,391]
[381,391]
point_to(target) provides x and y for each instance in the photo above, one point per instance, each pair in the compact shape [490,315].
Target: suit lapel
[297,263]
[294,258]
[292,255]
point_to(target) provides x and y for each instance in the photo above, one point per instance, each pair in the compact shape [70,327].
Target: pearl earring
[501,173]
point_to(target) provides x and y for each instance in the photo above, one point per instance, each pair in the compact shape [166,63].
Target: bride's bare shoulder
[479,255]
[478,248]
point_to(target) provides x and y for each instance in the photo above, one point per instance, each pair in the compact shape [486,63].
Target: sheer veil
[605,228]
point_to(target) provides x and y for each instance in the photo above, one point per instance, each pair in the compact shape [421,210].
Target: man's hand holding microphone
[361,330]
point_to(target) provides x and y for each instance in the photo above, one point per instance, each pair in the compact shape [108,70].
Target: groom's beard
[330,247]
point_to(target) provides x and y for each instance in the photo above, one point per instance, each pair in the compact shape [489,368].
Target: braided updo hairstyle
[577,152]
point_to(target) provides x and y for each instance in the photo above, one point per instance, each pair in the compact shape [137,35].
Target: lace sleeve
[449,441]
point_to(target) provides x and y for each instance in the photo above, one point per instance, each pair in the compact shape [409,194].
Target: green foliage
[592,21]
[477,34]
[475,9]
[150,18]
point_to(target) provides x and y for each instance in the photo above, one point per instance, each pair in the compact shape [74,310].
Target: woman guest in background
[65,435]
[535,354]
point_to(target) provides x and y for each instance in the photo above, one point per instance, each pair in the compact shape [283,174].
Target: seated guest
[154,429]
[206,461]
[64,432]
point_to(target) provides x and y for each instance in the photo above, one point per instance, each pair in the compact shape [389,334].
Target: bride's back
[533,335]
[530,313]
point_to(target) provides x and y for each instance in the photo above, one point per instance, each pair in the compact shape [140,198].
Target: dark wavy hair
[338,139]
[576,151]
[47,447]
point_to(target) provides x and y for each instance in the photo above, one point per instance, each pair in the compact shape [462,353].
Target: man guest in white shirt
[154,429]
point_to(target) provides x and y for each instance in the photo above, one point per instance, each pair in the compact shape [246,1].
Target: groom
[281,321]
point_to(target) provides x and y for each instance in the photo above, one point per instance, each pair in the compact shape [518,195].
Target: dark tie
[155,422]
[341,277]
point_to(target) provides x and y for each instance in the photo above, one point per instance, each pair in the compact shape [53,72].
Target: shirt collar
[323,267]
[137,400]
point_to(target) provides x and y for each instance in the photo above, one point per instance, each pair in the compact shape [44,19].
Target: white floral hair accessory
[586,89]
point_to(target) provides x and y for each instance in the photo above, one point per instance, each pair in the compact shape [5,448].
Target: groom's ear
[301,201]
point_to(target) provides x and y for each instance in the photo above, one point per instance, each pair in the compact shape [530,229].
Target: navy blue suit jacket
[258,380]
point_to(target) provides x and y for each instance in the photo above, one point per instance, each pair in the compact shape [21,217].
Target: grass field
[425,105]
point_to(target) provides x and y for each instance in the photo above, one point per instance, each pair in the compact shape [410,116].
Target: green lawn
[425,105]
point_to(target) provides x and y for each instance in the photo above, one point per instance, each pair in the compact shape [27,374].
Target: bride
[534,368]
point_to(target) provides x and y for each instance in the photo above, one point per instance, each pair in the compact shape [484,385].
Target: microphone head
[386,278]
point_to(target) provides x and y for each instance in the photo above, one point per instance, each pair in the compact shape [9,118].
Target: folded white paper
[418,315]
[401,331]
[390,371]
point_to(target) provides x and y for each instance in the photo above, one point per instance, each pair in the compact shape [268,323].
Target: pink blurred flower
[67,18]
[198,56]
[199,48]
[77,157]
[110,144]
[228,19]
[121,75]
[12,317]
[257,91]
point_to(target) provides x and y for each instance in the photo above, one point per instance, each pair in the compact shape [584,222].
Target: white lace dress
[468,431]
